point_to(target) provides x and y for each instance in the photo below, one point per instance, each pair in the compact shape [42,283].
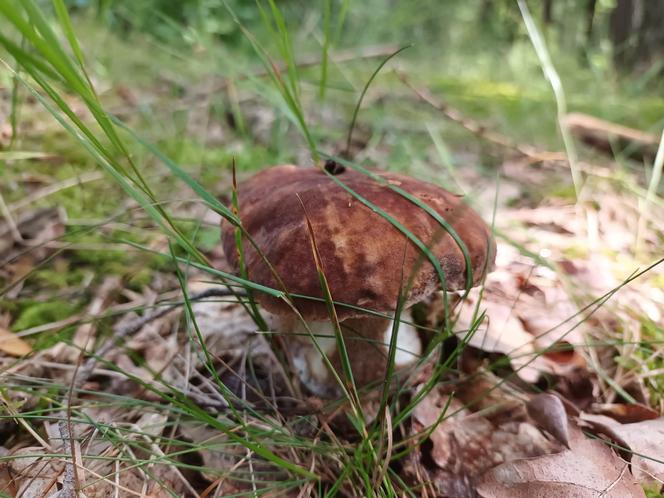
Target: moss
[140,279]
[34,313]
[209,238]
[46,340]
[58,278]
[562,191]
[653,492]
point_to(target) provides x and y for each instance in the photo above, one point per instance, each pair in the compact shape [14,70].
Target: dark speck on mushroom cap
[362,253]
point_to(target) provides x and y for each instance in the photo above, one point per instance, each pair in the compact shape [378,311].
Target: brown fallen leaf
[590,469]
[624,413]
[549,414]
[32,474]
[644,439]
[499,332]
[7,484]
[464,445]
[13,345]
[525,308]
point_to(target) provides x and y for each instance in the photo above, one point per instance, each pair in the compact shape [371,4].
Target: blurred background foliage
[186,76]
[628,29]
[608,52]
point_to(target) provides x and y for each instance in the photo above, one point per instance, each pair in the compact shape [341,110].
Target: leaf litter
[531,449]
[13,345]
[465,444]
[642,443]
[491,441]
[589,469]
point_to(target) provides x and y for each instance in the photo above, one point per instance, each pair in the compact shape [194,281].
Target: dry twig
[136,325]
[532,153]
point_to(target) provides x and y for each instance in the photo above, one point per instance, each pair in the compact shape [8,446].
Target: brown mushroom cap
[362,253]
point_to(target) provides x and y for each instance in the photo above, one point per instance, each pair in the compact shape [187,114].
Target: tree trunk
[591,6]
[547,12]
[637,32]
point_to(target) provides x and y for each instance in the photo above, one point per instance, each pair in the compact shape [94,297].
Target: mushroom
[367,261]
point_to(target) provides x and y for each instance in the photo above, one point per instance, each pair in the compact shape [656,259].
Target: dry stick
[136,325]
[69,483]
[478,129]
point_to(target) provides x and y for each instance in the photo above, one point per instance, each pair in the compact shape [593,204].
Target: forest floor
[114,382]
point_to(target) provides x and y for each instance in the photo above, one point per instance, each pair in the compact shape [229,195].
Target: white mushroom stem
[367,341]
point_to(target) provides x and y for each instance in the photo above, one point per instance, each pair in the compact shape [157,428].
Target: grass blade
[349,388]
[363,93]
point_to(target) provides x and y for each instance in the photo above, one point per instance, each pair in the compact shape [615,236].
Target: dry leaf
[33,474]
[645,439]
[524,308]
[7,484]
[625,414]
[499,332]
[12,344]
[549,414]
[590,469]
[464,445]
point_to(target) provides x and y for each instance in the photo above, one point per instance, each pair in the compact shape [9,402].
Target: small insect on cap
[366,259]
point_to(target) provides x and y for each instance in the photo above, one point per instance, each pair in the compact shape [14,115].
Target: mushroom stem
[367,341]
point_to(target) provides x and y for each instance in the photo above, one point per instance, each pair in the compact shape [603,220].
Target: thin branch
[69,483]
[479,129]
